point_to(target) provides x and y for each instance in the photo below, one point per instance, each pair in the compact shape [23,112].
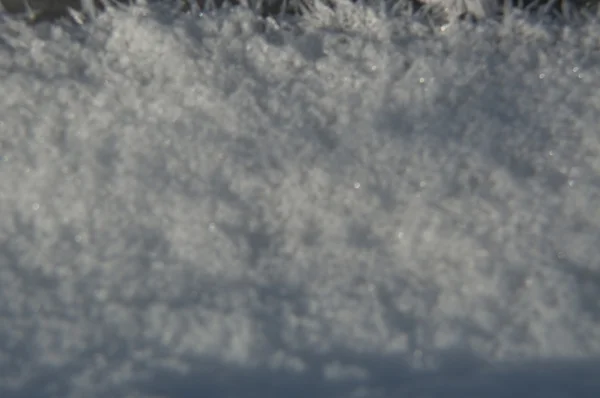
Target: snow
[336,206]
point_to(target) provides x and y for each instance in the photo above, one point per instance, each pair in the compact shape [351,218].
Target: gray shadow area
[464,376]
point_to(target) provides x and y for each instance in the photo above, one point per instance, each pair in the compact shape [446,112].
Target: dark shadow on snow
[463,376]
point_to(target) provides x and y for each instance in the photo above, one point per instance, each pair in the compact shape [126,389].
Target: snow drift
[340,205]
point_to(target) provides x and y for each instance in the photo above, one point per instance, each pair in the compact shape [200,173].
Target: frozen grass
[438,10]
[342,205]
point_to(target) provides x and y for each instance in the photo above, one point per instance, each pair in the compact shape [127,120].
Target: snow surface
[342,206]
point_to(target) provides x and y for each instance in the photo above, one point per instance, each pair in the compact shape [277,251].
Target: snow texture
[342,205]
